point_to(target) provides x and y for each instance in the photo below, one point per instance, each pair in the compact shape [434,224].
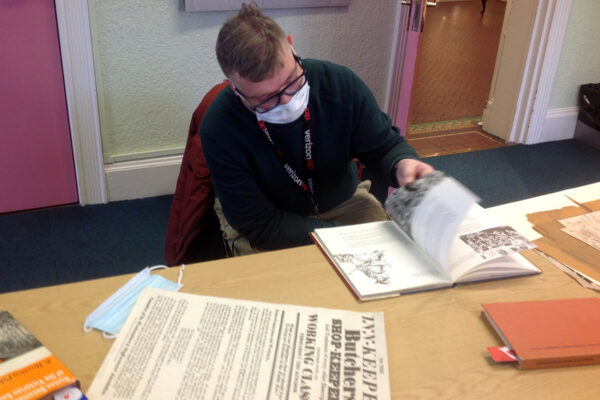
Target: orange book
[28,370]
[548,333]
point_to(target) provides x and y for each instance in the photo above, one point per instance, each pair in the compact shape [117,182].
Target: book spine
[335,268]
[557,362]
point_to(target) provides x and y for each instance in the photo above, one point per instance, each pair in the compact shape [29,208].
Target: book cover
[548,333]
[28,370]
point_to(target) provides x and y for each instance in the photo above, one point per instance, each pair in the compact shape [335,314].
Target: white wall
[154,62]
[580,57]
[579,63]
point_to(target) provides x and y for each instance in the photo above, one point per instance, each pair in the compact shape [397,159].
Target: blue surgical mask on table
[289,112]
[110,316]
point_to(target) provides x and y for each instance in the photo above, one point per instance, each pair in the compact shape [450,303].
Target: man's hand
[409,170]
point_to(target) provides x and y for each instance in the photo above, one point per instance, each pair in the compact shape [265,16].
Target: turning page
[431,210]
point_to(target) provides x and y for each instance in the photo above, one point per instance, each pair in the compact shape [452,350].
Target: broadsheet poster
[183,346]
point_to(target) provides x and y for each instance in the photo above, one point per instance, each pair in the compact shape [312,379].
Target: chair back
[193,232]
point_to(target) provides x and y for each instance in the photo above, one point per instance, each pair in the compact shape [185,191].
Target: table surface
[436,340]
[515,214]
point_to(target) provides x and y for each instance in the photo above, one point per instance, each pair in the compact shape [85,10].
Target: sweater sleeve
[375,141]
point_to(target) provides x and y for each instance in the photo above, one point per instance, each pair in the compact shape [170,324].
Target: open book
[438,236]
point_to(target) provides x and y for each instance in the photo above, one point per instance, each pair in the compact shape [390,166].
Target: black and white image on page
[430,210]
[378,258]
[482,239]
[14,338]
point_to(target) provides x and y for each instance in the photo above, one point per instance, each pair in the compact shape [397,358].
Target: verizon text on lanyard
[308,186]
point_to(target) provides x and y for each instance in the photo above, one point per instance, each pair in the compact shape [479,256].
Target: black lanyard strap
[308,186]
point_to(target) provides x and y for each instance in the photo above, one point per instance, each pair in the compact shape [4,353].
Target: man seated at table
[281,141]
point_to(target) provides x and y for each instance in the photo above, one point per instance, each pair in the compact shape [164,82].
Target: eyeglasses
[291,89]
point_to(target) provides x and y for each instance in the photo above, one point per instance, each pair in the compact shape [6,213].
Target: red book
[549,333]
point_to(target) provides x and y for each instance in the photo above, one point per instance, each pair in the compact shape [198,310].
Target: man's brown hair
[250,44]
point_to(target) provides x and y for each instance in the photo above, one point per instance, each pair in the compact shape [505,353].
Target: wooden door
[36,157]
[515,45]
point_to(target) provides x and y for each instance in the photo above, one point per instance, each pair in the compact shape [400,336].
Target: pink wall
[410,61]
[36,160]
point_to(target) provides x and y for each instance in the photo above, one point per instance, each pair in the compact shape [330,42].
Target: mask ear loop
[108,336]
[165,267]
[181,275]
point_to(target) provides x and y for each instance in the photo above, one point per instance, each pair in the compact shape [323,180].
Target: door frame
[539,72]
[547,38]
[75,40]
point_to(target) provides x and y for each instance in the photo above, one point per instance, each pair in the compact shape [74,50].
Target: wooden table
[436,340]
[515,214]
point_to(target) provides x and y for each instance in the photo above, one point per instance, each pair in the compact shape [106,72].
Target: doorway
[454,70]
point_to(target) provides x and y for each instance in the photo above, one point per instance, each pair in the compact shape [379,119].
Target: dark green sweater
[258,197]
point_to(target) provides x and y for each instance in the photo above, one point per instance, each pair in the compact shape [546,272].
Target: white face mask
[286,113]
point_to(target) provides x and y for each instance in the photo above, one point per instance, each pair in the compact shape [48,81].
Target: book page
[430,210]
[183,346]
[484,243]
[378,259]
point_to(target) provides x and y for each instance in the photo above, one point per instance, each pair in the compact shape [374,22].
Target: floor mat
[431,127]
[452,143]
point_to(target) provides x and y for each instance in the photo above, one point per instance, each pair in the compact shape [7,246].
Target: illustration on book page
[373,264]
[496,242]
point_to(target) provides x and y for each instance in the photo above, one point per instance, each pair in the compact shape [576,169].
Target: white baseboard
[142,178]
[559,124]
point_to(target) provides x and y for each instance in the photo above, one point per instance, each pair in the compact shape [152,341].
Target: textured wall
[154,62]
[580,57]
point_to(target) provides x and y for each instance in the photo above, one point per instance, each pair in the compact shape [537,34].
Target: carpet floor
[74,243]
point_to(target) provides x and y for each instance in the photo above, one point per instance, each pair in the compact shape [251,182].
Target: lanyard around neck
[308,186]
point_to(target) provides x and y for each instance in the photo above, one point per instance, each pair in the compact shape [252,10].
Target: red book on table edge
[548,333]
